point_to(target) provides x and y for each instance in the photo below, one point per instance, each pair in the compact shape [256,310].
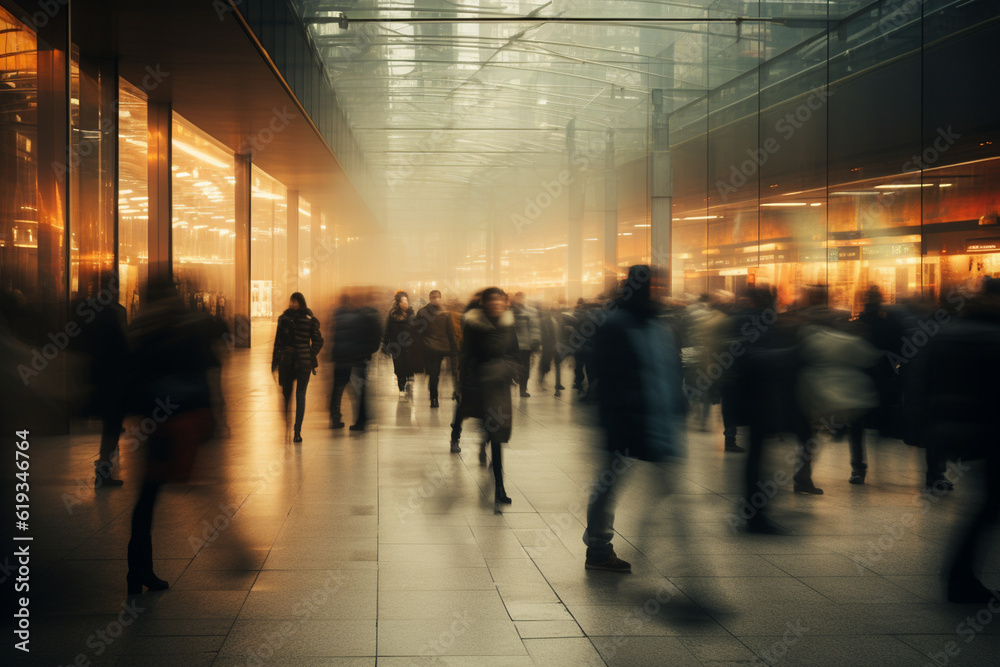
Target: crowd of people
[652,368]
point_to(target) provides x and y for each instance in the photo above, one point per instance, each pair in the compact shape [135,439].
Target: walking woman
[399,340]
[296,346]
[490,359]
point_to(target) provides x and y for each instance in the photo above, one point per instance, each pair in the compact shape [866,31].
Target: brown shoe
[612,564]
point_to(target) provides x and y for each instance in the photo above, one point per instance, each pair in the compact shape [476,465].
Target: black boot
[102,475]
[731,446]
[499,494]
[298,435]
[140,568]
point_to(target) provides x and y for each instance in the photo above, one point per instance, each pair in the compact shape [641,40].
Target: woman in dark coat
[489,361]
[399,339]
[296,346]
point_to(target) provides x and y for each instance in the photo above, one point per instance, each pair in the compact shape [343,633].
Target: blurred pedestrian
[952,397]
[641,404]
[433,324]
[357,331]
[489,363]
[102,342]
[169,387]
[529,339]
[399,340]
[297,343]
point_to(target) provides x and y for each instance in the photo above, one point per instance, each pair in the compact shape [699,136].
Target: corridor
[383,548]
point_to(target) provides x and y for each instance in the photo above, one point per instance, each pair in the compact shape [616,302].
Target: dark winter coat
[433,324]
[488,364]
[400,341]
[296,344]
[952,393]
[356,335]
[641,403]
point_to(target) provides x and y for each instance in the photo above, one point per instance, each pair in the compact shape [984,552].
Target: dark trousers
[524,370]
[111,428]
[356,375]
[856,442]
[497,467]
[580,370]
[456,422]
[432,364]
[969,536]
[730,410]
[936,465]
[301,383]
[807,449]
[140,546]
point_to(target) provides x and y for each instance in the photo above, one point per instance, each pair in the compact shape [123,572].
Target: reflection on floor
[352,548]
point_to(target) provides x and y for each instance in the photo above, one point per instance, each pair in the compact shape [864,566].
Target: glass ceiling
[458,99]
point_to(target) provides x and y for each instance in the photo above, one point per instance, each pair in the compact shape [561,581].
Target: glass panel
[268,249]
[19,279]
[91,166]
[133,196]
[204,220]
[306,257]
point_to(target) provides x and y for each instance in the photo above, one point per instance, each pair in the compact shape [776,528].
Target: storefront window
[268,248]
[19,267]
[306,258]
[133,197]
[204,220]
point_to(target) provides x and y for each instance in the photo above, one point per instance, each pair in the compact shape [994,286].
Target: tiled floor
[382,547]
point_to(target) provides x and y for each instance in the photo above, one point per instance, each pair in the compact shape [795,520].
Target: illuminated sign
[982,245]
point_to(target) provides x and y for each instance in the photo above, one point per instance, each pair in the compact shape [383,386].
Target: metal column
[160,123]
[661,179]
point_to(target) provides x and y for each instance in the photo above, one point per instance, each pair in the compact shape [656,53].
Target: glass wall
[133,196]
[91,168]
[268,247]
[19,268]
[306,255]
[848,158]
[204,220]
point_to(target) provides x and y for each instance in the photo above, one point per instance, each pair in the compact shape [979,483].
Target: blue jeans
[601,507]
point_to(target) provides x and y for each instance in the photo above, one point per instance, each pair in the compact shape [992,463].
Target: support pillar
[241,251]
[55,168]
[159,120]
[661,179]
[610,216]
[574,219]
[292,275]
